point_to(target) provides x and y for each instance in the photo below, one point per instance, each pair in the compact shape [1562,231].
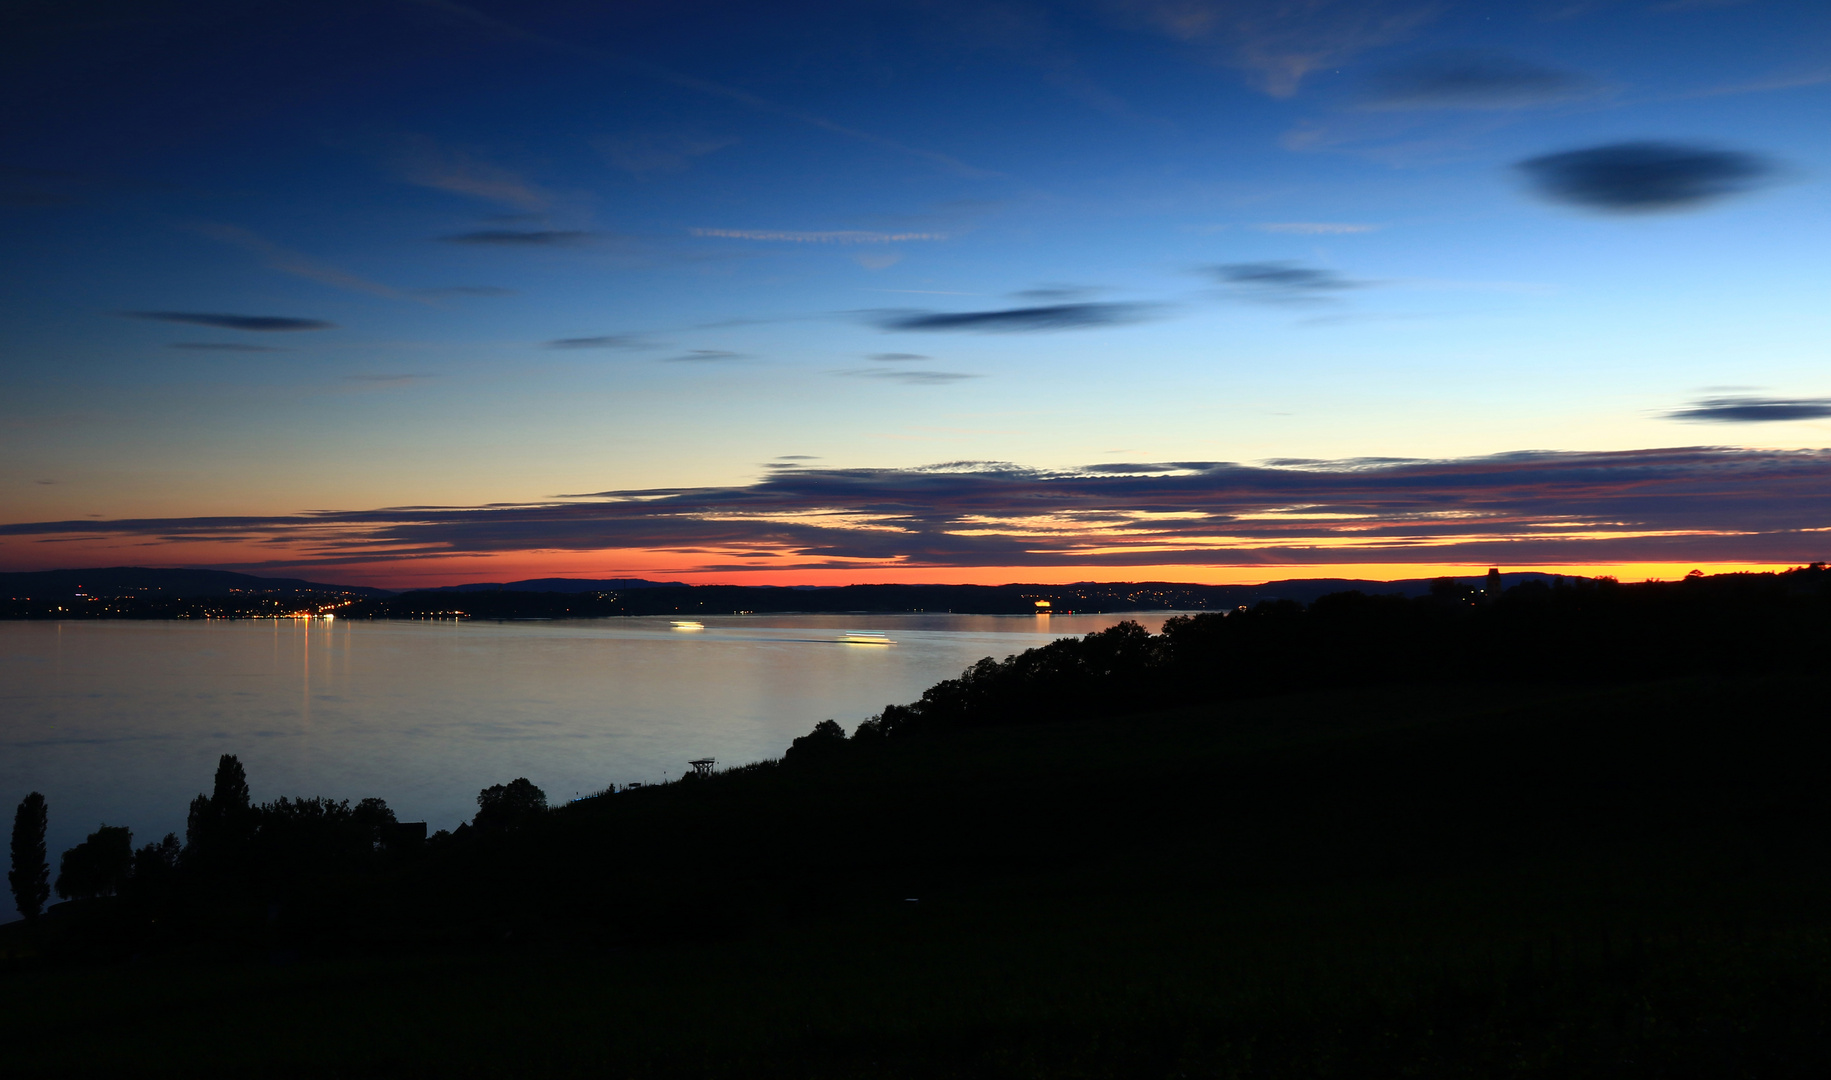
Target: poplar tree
[30,876]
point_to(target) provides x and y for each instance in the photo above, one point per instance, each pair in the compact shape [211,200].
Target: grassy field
[1441,882]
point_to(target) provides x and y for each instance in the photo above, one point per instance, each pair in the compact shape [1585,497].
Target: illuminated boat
[688,624]
[866,637]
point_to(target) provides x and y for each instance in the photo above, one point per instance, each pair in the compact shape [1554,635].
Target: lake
[122,722]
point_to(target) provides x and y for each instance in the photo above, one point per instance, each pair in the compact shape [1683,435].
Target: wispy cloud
[1695,503]
[1021,320]
[838,236]
[1754,410]
[1792,81]
[648,154]
[897,357]
[478,20]
[604,341]
[1640,177]
[1474,80]
[1280,42]
[423,162]
[921,377]
[292,262]
[258,323]
[704,356]
[1283,282]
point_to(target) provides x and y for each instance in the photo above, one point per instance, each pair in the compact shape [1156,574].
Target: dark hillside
[1578,832]
[1628,880]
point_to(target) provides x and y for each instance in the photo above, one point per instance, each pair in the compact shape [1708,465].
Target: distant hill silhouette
[521,600]
[130,580]
[562,585]
[142,593]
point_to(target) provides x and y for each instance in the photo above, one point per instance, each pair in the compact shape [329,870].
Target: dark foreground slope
[1449,880]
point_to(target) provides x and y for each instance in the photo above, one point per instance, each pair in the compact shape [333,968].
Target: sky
[424,292]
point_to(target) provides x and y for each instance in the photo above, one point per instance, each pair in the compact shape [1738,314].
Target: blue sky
[331,259]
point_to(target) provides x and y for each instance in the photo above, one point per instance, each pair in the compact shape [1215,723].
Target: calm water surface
[122,722]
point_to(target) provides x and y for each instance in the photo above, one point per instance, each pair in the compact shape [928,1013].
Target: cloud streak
[1643,177]
[603,341]
[1280,42]
[1693,503]
[908,377]
[1753,410]
[426,164]
[477,19]
[292,262]
[1022,320]
[1283,282]
[1474,80]
[257,323]
[704,356]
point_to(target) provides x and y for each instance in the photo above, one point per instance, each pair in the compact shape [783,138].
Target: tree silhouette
[506,805]
[826,739]
[156,862]
[98,866]
[30,876]
[221,825]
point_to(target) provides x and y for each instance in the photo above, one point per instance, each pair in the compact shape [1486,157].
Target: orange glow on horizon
[431,572]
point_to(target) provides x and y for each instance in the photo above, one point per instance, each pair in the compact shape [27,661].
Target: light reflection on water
[122,721]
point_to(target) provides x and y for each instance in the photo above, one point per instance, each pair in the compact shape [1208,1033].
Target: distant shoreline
[126,593]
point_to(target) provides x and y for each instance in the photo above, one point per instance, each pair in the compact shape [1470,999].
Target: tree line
[235,846]
[1587,630]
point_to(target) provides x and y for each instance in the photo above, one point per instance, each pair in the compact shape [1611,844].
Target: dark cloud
[897,357]
[1473,80]
[224,346]
[1017,320]
[1635,177]
[1690,504]
[603,341]
[518,237]
[704,356]
[264,323]
[1752,410]
[797,457]
[1283,282]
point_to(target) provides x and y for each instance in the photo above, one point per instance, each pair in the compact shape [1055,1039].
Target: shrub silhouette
[30,876]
